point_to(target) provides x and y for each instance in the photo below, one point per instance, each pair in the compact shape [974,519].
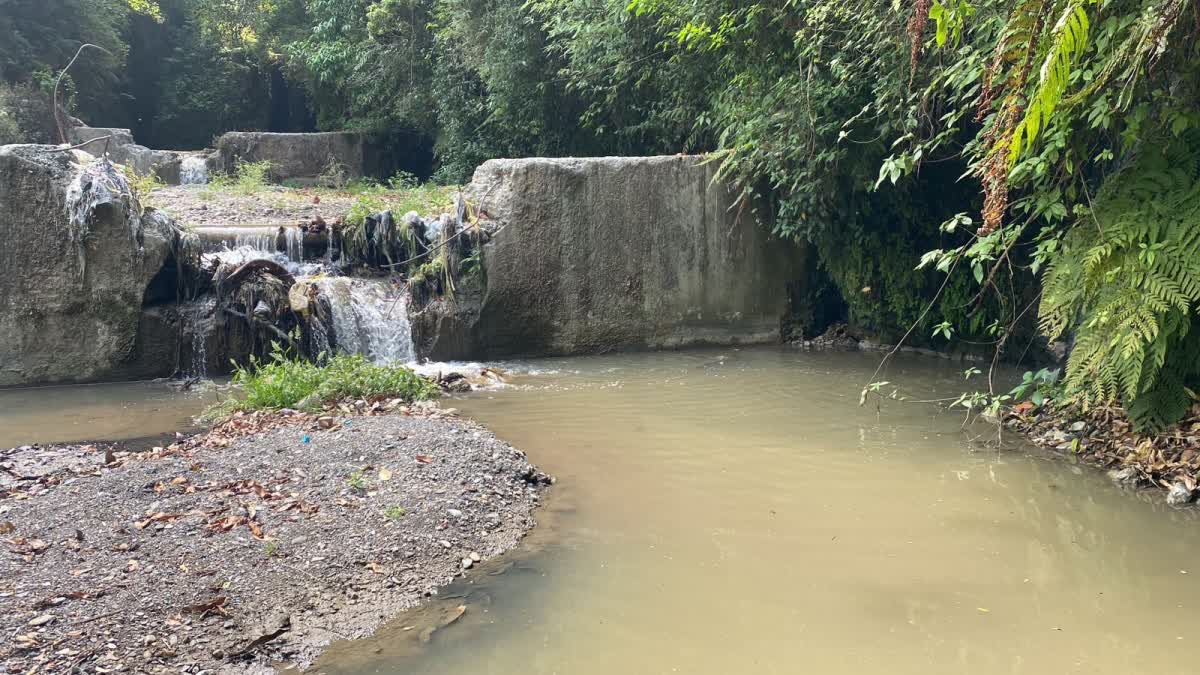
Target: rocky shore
[1104,438]
[251,546]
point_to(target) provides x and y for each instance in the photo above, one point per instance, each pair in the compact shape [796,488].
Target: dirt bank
[232,552]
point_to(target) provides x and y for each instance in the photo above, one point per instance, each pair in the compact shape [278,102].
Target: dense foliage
[969,171]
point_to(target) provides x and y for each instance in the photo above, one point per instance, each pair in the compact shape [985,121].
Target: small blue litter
[306,438]
[346,423]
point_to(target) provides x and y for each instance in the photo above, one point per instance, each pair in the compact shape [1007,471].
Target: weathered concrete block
[72,291]
[616,253]
[122,150]
[299,157]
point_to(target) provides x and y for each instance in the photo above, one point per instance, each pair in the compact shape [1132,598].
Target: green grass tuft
[248,178]
[283,381]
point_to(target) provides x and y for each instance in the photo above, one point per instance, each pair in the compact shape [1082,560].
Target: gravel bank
[274,206]
[231,553]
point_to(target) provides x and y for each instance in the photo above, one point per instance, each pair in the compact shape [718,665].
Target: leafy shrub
[365,205]
[284,381]
[248,178]
[142,185]
[334,176]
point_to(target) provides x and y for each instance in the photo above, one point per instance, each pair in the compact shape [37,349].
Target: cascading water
[267,241]
[370,318]
[193,170]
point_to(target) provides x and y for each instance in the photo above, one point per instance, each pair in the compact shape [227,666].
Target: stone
[1129,477]
[467,563]
[1078,426]
[602,254]
[325,422]
[41,620]
[475,557]
[71,308]
[454,513]
[1179,494]
[121,148]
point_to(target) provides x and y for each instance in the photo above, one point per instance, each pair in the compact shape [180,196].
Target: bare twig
[58,121]
[94,140]
[916,323]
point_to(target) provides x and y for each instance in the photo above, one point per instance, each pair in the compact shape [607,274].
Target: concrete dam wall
[604,254]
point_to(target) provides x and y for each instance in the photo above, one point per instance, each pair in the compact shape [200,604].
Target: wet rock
[1179,494]
[1129,477]
[79,254]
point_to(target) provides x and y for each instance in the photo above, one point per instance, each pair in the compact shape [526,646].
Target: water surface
[737,512]
[99,412]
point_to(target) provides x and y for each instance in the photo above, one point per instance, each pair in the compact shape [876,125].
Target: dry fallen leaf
[385,474]
[424,459]
[214,606]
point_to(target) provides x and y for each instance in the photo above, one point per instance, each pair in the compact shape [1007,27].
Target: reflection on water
[110,412]
[737,512]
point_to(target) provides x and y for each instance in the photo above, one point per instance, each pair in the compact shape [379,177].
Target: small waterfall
[370,318]
[197,324]
[295,243]
[193,170]
[267,240]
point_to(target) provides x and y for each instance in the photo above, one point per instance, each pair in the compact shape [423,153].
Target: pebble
[475,557]
[466,563]
[455,513]
[41,620]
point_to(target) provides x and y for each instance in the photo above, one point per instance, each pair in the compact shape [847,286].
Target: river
[736,511]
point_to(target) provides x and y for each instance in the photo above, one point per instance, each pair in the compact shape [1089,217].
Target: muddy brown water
[735,511]
[100,412]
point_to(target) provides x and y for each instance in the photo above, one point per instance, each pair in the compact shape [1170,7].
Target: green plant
[1127,282]
[248,178]
[142,185]
[395,512]
[270,548]
[284,381]
[403,180]
[357,481]
[1037,387]
[334,176]
[367,203]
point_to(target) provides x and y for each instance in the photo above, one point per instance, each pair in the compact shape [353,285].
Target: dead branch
[58,121]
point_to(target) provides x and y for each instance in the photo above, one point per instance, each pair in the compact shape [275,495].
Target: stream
[737,512]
